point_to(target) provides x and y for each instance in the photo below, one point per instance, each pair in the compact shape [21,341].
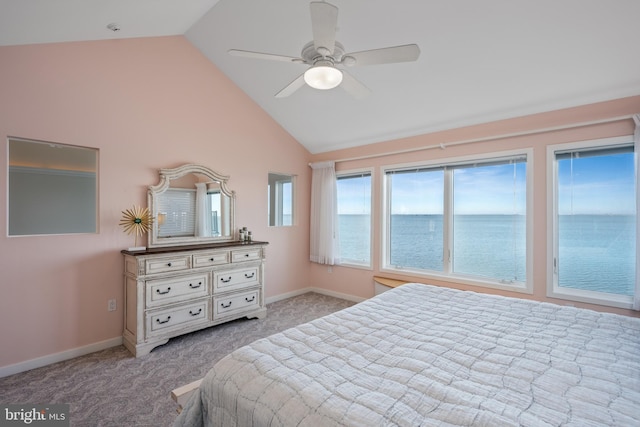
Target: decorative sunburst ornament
[136,221]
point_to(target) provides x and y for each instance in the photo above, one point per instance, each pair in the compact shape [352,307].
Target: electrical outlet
[111,305]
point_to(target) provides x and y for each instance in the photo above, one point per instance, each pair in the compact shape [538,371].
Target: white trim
[444,145]
[553,290]
[39,362]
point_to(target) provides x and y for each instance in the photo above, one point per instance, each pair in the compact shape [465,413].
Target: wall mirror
[191,204]
[280,199]
[53,188]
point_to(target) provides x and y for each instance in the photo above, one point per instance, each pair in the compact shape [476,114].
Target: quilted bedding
[422,355]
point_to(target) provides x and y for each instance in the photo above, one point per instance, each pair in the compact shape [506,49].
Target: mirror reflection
[191,205]
[280,199]
[53,188]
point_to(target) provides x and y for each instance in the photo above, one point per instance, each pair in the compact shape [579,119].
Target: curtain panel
[324,214]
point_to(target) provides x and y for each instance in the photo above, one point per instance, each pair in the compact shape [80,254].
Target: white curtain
[636,139]
[324,214]
[203,211]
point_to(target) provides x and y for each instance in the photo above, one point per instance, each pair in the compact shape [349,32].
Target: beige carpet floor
[112,388]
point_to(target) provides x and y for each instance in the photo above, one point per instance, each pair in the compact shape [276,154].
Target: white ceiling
[480,60]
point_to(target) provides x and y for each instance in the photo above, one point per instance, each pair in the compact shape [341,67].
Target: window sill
[590,297]
[519,287]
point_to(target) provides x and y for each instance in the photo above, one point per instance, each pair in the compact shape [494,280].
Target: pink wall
[360,282]
[145,104]
[153,103]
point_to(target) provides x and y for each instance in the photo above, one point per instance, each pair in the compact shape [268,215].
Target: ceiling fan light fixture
[323,77]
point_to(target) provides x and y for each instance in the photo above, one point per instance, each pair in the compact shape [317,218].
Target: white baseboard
[39,362]
[280,297]
[317,290]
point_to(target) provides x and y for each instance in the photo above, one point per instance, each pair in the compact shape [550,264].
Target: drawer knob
[247,299]
[192,286]
[223,280]
[250,276]
[196,313]
[226,306]
[160,322]
[165,292]
[168,264]
[246,255]
[212,259]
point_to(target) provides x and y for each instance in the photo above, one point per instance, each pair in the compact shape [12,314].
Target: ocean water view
[596,252]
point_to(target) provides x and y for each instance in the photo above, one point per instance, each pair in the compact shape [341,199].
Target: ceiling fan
[324,54]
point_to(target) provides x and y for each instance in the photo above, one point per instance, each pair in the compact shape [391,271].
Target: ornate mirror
[191,205]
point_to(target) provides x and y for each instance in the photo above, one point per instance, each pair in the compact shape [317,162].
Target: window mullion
[447,222]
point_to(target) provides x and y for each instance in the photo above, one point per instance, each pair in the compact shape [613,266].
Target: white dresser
[171,291]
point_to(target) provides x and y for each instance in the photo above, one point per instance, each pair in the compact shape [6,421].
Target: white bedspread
[422,355]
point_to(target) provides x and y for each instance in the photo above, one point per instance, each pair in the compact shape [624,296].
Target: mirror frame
[168,174]
[52,188]
[273,206]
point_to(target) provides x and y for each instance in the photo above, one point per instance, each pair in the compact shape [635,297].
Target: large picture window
[593,222]
[466,219]
[354,217]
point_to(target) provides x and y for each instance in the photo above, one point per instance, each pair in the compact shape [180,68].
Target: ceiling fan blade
[387,55]
[324,21]
[259,55]
[291,87]
[353,86]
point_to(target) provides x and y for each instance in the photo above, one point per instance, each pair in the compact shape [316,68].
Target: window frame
[448,275]
[553,289]
[355,173]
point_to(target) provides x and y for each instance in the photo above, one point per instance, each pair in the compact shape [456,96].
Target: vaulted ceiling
[479,60]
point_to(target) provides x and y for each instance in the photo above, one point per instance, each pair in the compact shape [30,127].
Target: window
[466,219]
[354,218]
[593,222]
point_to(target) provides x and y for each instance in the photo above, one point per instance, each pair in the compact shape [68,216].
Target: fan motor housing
[310,55]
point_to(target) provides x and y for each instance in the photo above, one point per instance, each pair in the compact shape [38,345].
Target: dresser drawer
[210,258]
[235,303]
[176,289]
[166,264]
[235,279]
[252,254]
[183,316]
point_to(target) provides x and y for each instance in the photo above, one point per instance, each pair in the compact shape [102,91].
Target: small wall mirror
[53,188]
[191,205]
[280,199]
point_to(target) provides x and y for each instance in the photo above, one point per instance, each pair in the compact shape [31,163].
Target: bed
[421,355]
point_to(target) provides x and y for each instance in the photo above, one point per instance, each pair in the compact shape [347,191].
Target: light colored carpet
[112,388]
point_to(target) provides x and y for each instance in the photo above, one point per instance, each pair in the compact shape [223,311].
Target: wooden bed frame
[182,394]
